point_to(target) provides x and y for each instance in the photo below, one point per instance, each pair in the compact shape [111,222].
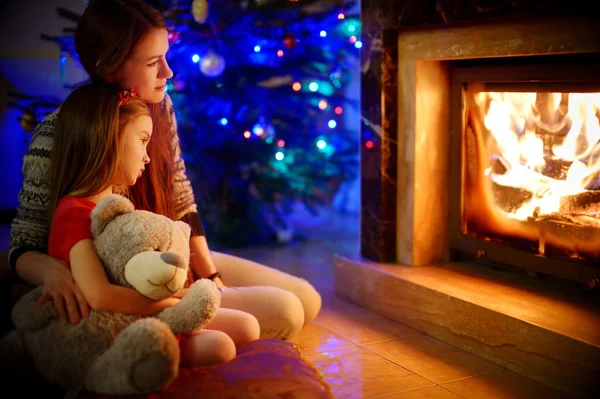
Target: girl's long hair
[86,148]
[105,37]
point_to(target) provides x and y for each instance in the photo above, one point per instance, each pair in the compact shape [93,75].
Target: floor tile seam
[415,389]
[398,365]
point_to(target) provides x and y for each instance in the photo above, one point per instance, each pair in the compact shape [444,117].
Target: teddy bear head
[140,249]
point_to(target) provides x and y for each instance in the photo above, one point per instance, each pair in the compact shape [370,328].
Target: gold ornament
[200,10]
[28,121]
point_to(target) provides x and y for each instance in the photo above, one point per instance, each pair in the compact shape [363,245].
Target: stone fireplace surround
[548,334]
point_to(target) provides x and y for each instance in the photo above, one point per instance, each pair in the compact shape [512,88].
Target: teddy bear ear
[108,209]
[185,228]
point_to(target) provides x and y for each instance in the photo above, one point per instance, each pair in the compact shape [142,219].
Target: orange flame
[537,132]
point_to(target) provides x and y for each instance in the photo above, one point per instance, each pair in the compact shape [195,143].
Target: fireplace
[487,162]
[527,164]
[497,143]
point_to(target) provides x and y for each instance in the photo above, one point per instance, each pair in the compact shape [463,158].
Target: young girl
[124,42]
[100,142]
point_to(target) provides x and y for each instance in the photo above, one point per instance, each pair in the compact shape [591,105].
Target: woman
[124,42]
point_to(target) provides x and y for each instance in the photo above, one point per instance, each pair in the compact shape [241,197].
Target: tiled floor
[364,355]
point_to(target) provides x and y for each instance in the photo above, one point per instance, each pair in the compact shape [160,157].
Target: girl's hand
[180,294]
[184,291]
[60,288]
[170,302]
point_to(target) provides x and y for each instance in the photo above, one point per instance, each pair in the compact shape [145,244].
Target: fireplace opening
[529,169]
[533,179]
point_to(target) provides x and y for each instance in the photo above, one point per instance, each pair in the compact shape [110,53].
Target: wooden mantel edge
[501,37]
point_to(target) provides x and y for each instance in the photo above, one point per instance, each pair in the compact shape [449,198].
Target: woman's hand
[219,283]
[60,288]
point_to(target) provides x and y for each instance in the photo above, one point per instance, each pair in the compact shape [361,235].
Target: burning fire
[548,144]
[531,168]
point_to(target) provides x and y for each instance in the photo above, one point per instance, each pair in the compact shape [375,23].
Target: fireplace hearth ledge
[513,321]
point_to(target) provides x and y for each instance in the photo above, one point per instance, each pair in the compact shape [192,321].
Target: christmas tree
[258,89]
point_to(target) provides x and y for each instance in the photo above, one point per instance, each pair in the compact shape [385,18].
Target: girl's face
[134,157]
[147,71]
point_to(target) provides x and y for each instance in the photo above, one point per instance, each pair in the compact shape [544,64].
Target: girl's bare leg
[242,327]
[205,348]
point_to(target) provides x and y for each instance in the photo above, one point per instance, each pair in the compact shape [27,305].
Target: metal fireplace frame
[417,93]
[549,73]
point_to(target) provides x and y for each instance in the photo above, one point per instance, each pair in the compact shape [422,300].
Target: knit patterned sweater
[29,229]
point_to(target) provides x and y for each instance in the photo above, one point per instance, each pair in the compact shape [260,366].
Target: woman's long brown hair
[105,38]
[85,152]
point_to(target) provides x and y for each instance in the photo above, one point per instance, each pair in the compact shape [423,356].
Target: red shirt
[72,223]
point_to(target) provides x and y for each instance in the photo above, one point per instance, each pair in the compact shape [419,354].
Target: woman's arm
[29,229]
[185,203]
[35,267]
[186,210]
[201,260]
[91,278]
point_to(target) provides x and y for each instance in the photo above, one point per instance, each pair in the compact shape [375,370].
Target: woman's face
[147,71]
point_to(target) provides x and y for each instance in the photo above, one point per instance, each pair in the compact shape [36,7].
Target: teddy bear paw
[152,373]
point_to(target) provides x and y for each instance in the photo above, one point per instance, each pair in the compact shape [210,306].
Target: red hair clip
[125,95]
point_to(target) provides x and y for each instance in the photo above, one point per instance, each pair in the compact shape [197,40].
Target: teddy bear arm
[195,310]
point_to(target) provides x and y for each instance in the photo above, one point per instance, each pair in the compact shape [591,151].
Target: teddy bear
[114,353]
